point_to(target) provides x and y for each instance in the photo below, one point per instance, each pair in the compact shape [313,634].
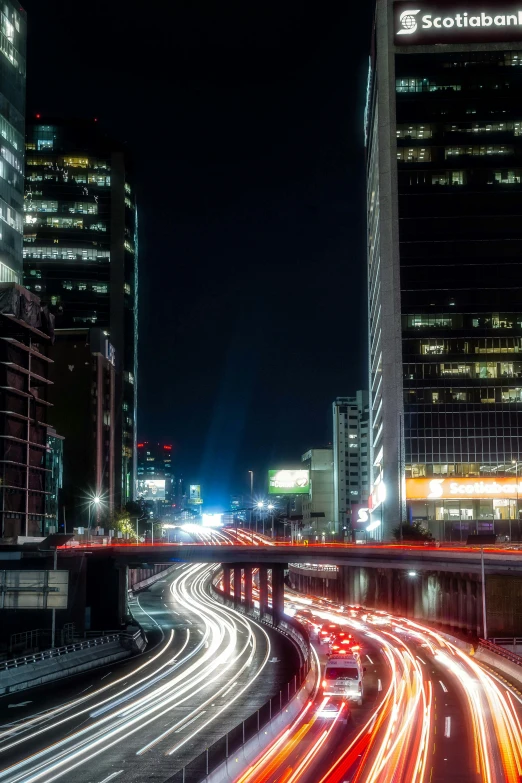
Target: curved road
[210,669]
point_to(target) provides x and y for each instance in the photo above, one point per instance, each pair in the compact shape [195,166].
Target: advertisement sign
[151,489]
[194,491]
[450,22]
[288,482]
[34,589]
[463,488]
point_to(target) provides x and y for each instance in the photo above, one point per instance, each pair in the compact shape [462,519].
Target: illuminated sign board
[288,482]
[194,491]
[151,489]
[446,23]
[463,489]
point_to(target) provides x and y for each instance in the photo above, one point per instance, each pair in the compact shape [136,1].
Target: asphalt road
[431,714]
[146,718]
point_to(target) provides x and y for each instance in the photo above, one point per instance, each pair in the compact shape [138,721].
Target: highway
[430,713]
[210,669]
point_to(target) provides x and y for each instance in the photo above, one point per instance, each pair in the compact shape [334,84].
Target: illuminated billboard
[151,489]
[434,22]
[194,491]
[288,482]
[463,488]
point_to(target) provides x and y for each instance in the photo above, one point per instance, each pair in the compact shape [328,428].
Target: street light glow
[412,573]
[96,499]
[260,503]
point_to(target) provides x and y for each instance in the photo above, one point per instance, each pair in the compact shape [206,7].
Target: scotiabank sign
[437,23]
[465,488]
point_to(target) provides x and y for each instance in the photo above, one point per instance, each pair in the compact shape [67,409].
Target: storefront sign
[445,23]
[448,488]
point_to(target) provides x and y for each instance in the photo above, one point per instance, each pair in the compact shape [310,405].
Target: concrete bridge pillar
[237,584]
[278,592]
[263,590]
[105,594]
[226,580]
[248,586]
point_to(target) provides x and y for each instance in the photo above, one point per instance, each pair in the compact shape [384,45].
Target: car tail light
[324,683]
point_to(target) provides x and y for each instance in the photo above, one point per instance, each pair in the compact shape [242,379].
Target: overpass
[440,584]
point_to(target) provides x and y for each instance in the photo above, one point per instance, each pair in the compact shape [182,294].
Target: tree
[412,532]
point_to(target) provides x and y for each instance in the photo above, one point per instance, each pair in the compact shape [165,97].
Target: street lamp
[251,472]
[271,508]
[94,501]
[260,506]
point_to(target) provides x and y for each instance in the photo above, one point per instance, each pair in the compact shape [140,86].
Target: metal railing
[508,641]
[233,740]
[56,652]
[498,650]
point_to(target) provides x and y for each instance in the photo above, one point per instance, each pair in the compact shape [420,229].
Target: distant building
[156,484]
[317,508]
[352,457]
[80,257]
[13,34]
[26,480]
[84,396]
[54,510]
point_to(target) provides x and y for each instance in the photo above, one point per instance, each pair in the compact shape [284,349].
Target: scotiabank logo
[445,25]
[408,22]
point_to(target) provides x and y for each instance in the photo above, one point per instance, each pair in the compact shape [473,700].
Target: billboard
[288,482]
[463,488]
[194,491]
[34,589]
[151,489]
[439,22]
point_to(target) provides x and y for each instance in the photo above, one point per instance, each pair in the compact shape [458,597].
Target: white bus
[343,677]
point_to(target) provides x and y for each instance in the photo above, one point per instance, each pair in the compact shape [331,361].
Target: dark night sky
[245,124]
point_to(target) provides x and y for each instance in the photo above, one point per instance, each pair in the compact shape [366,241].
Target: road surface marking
[86,689]
[112,776]
[420,659]
[190,721]
[369,659]
[443,686]
[106,675]
[20,704]
[447,727]
[379,685]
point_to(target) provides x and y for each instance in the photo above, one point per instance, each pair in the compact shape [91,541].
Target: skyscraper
[80,257]
[12,129]
[156,484]
[350,457]
[444,142]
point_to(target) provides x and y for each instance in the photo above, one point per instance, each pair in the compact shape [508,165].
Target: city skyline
[235,198]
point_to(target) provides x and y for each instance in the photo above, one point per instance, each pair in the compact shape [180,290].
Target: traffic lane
[23,704]
[103,764]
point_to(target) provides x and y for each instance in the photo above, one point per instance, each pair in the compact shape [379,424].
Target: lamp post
[260,506]
[271,508]
[515,462]
[96,500]
[251,472]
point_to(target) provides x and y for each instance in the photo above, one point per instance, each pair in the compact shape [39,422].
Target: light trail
[224,654]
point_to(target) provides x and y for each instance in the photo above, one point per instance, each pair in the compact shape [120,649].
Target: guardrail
[507,641]
[56,652]
[498,650]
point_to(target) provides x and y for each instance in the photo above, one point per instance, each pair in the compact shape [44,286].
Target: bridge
[442,584]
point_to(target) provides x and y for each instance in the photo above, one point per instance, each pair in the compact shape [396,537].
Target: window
[64,222]
[424,85]
[69,253]
[448,178]
[506,177]
[491,149]
[438,320]
[414,131]
[126,288]
[433,348]
[36,205]
[74,162]
[84,207]
[414,154]
[486,370]
[512,395]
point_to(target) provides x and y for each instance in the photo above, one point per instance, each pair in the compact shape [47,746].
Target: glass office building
[444,144]
[80,255]
[12,129]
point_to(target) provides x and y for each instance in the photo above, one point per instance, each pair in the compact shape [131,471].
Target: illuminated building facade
[351,457]
[80,257]
[444,173]
[156,484]
[12,129]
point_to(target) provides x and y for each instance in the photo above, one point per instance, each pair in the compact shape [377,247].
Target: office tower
[80,257]
[156,485]
[12,130]
[352,461]
[444,145]
[318,506]
[84,394]
[26,440]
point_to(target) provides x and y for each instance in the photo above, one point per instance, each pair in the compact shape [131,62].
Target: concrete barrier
[504,665]
[30,674]
[151,579]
